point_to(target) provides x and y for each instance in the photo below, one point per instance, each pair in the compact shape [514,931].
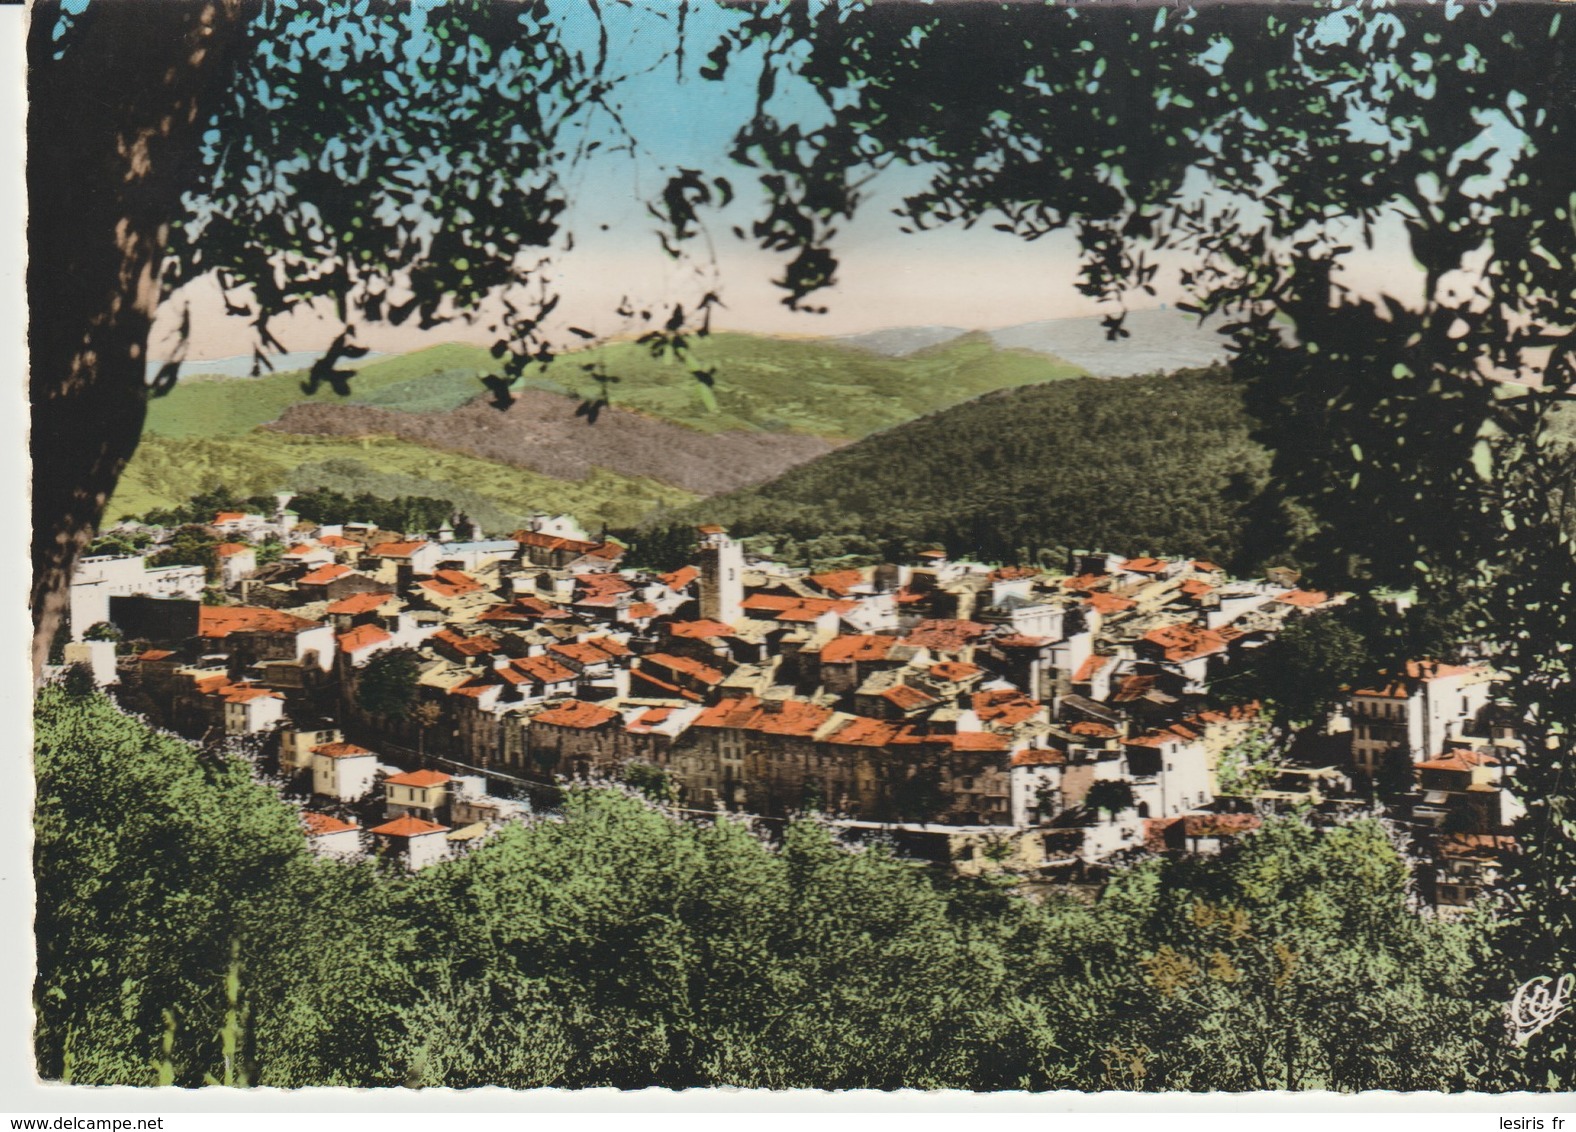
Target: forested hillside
[185,935]
[423,423]
[1160,465]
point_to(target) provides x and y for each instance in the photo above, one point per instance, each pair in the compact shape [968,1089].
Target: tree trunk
[114,125]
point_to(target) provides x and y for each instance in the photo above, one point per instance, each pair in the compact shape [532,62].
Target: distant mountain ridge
[660,439]
[1158,341]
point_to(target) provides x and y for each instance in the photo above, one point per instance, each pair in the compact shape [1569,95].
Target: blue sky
[972,278]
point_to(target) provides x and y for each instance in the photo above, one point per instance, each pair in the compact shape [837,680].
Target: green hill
[1162,465]
[209,431]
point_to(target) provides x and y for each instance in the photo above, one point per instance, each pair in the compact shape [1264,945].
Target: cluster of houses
[1042,720]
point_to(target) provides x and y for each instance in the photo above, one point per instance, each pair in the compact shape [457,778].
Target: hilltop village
[414,690]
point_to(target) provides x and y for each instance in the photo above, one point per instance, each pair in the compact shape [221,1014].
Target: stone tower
[721,562]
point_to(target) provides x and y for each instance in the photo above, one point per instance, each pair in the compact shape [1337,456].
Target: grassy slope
[203,431]
[169,471]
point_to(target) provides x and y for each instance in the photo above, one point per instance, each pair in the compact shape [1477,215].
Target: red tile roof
[1145,565]
[1110,603]
[228,549]
[1006,707]
[1019,641]
[359,603]
[407,826]
[320,825]
[954,671]
[1086,670]
[679,578]
[477,645]
[699,630]
[362,637]
[1086,583]
[977,741]
[1304,599]
[582,652]
[782,717]
[839,582]
[323,575]
[542,670]
[339,750]
[862,732]
[640,610]
[947,635]
[239,694]
[155,654]
[422,779]
[858,647]
[1185,641]
[229,517]
[1196,587]
[689,666]
[219,621]
[398,549]
[577,714]
[451,583]
[775,607]
[1093,730]
[301,550]
[908,699]
[338,542]
[1460,759]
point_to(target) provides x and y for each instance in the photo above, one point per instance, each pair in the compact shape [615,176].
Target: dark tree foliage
[1161,465]
[405,513]
[1264,148]
[190,546]
[1305,669]
[191,939]
[387,685]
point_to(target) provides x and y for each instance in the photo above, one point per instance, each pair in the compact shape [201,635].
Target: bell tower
[721,562]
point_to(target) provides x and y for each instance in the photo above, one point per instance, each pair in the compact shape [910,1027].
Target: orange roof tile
[640,610]
[1145,565]
[691,667]
[783,717]
[339,750]
[319,825]
[577,714]
[1086,670]
[679,578]
[1304,599]
[1094,730]
[699,630]
[155,654]
[407,826]
[219,621]
[1186,641]
[359,603]
[542,669]
[947,635]
[323,575]
[229,549]
[1461,759]
[1006,707]
[839,582]
[954,671]
[398,549]
[421,779]
[907,698]
[229,517]
[1110,603]
[853,647]
[338,542]
[362,637]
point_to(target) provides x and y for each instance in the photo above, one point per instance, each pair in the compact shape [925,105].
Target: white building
[102,577]
[343,771]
